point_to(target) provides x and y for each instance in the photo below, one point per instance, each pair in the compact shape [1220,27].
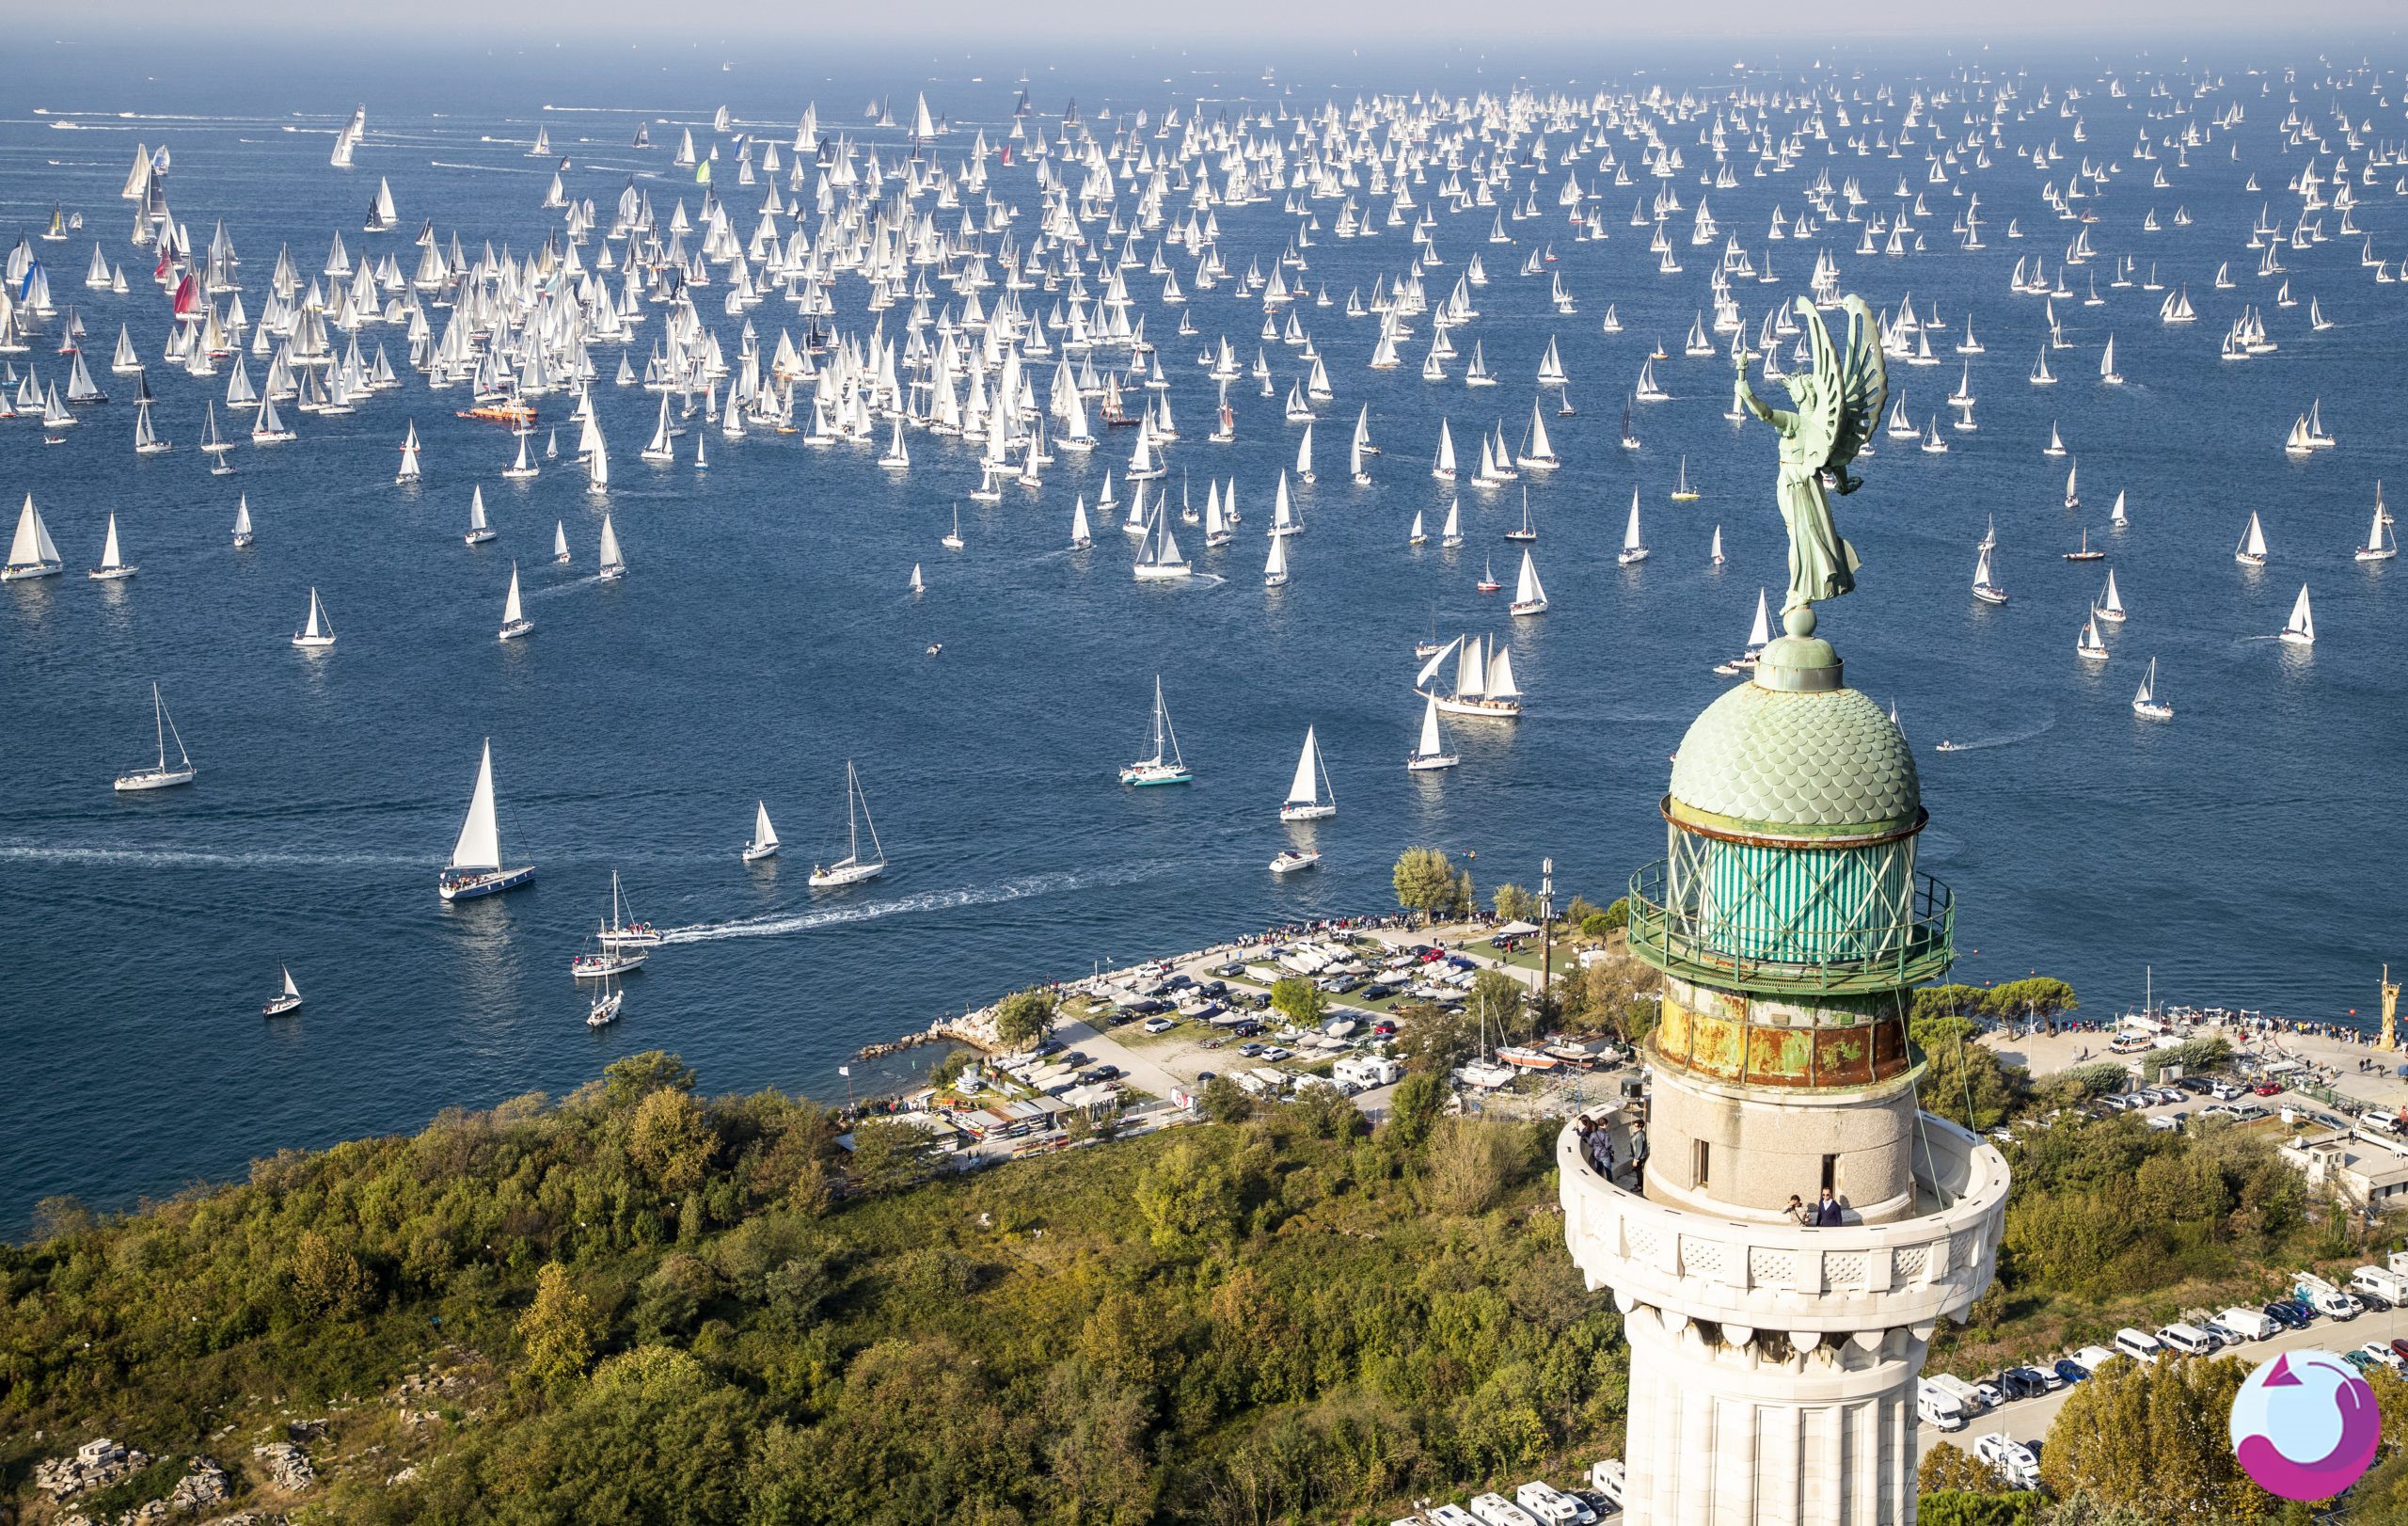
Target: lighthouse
[1774,1362]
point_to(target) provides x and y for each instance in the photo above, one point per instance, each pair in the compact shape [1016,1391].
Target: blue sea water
[2243,852]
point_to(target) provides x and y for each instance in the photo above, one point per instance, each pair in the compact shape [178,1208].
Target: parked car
[2198,1085]
[2290,1314]
[2091,1358]
[2223,1090]
[1158,1024]
[2022,1383]
[2268,1088]
[2068,1371]
[2140,1345]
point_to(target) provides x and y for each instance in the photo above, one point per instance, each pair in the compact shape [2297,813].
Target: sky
[1269,27]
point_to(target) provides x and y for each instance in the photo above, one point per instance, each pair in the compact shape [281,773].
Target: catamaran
[1311,795]
[476,867]
[2300,629]
[286,1000]
[1429,753]
[32,553]
[318,632]
[113,567]
[1163,766]
[765,836]
[852,869]
[160,776]
[515,623]
[2145,700]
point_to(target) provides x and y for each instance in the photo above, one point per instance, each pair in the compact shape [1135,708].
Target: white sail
[1302,789]
[510,611]
[1760,633]
[1080,534]
[763,835]
[1437,659]
[1274,567]
[243,520]
[1432,744]
[611,559]
[1630,537]
[2253,540]
[32,553]
[2300,629]
[480,844]
[1500,673]
[110,560]
[559,540]
[1471,670]
[315,627]
[1527,590]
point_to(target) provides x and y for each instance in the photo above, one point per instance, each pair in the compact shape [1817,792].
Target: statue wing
[1822,415]
[1864,389]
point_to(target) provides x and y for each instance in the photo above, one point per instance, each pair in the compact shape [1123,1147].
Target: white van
[1496,1510]
[2249,1324]
[1451,1514]
[2139,1344]
[2189,1340]
[1548,1504]
[2092,1359]
[1935,1408]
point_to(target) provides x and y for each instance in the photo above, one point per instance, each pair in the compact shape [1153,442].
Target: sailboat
[2116,517]
[1682,491]
[479,529]
[622,931]
[614,564]
[32,553]
[1634,549]
[1450,534]
[2083,552]
[243,536]
[286,1000]
[853,867]
[559,542]
[765,836]
[1430,752]
[475,866]
[2073,499]
[2111,605]
[2251,552]
[2382,545]
[1985,589]
[952,542]
[918,584]
[1715,555]
[1526,531]
[160,775]
[2300,629]
[1529,597]
[1082,537]
[604,1009]
[525,466]
[1158,558]
[1759,637]
[1164,766]
[318,632]
[2088,644]
[1274,567]
[513,616]
[1417,535]
[1488,583]
[1310,796]
[2145,700]
[113,566]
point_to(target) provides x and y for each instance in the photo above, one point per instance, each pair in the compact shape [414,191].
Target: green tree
[1224,1101]
[1189,1199]
[889,1154]
[560,1330]
[629,1081]
[1415,1107]
[2154,1438]
[327,1280]
[1471,1164]
[1947,1467]
[1300,1001]
[1435,1039]
[1465,900]
[1025,1018]
[1959,1507]
[1503,1003]
[1425,881]
[1964,1081]
[1514,904]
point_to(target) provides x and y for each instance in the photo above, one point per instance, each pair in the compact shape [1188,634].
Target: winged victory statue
[1839,401]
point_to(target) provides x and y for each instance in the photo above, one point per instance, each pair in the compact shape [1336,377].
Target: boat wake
[2012,737]
[778,924]
[189,858]
[496,169]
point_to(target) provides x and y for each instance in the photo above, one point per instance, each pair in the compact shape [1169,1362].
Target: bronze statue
[1839,402]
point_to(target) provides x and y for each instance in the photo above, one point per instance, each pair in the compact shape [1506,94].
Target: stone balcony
[1845,1279]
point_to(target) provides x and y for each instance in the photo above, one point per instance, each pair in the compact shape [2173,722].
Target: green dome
[1816,763]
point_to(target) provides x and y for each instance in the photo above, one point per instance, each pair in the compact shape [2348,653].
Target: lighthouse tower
[1773,1364]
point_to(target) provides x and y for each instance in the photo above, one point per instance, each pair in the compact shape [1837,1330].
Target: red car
[2266,1088]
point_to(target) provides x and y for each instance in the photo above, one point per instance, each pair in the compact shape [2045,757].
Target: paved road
[2028,1419]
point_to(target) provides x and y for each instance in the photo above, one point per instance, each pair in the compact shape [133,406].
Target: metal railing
[1810,962]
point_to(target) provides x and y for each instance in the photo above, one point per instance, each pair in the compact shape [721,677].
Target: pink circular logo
[2304,1426]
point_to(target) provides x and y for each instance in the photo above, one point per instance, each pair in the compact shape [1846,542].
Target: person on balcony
[1827,1212]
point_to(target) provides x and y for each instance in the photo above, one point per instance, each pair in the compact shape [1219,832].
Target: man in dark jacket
[1827,1212]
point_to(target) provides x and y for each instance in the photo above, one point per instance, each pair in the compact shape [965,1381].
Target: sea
[2244,854]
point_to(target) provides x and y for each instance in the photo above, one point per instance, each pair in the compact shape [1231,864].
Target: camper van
[2189,1340]
[1936,1406]
[2388,1285]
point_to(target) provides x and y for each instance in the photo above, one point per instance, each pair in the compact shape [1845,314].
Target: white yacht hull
[455,886]
[839,875]
[154,779]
